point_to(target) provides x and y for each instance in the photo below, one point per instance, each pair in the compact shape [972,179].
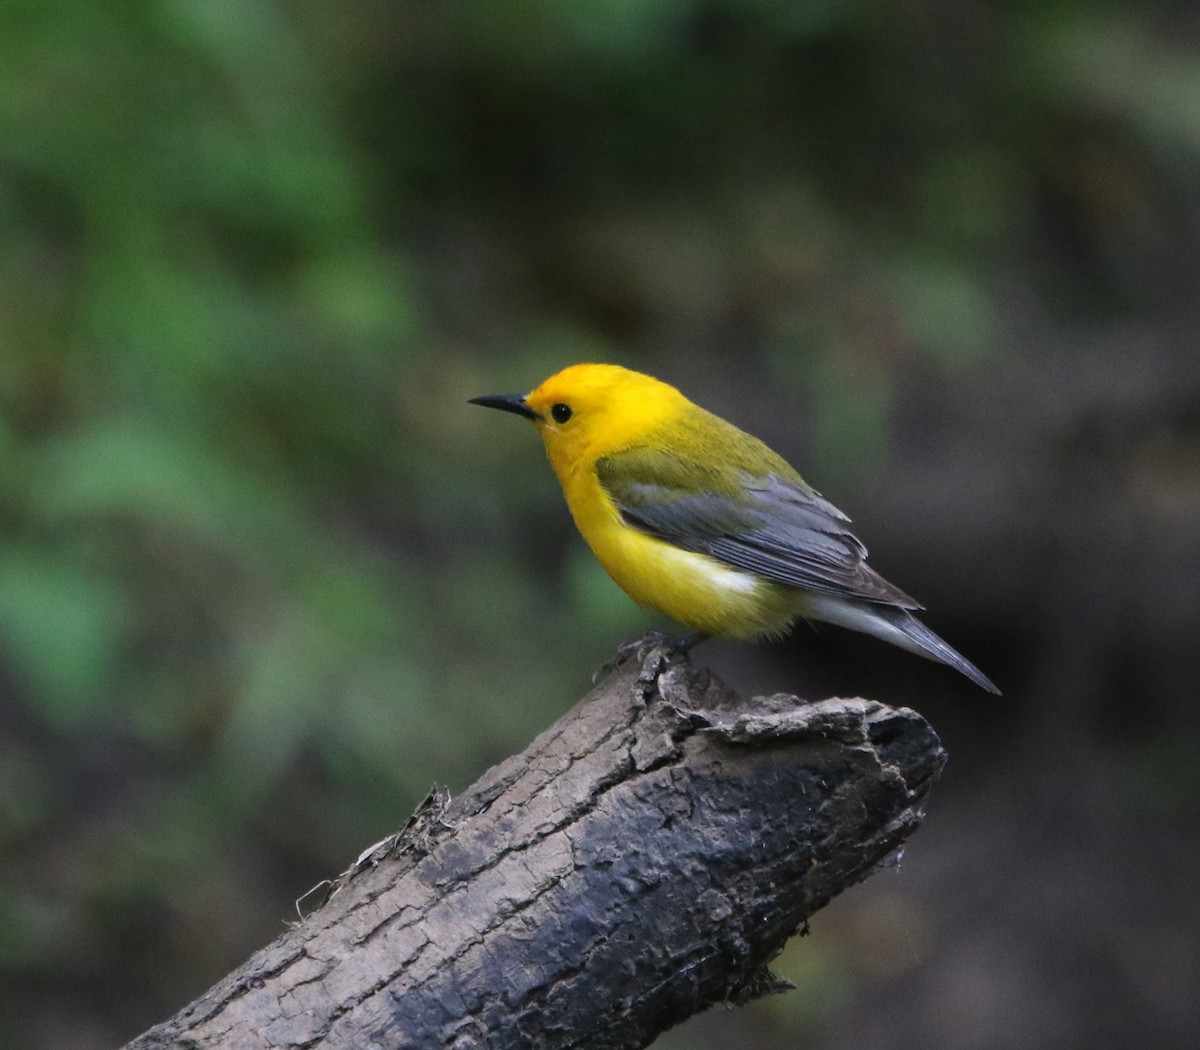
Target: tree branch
[643,858]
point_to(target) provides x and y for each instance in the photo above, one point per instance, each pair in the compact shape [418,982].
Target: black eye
[560,413]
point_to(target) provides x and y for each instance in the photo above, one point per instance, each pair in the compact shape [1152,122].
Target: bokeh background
[265,577]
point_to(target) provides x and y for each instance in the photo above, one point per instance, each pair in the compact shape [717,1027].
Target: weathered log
[645,857]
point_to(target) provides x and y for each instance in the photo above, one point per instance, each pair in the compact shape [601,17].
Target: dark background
[265,576]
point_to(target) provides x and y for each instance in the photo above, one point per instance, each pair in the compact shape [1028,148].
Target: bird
[698,520]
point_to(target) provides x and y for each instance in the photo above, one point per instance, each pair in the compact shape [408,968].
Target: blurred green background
[265,577]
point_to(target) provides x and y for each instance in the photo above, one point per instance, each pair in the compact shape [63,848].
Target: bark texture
[645,857]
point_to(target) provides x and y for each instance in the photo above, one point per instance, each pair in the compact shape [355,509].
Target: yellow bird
[700,521]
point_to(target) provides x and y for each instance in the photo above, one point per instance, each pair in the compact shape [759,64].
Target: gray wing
[777,527]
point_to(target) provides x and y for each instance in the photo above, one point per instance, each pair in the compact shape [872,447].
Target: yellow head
[588,411]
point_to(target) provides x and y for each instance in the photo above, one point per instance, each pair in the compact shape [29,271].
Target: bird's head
[588,411]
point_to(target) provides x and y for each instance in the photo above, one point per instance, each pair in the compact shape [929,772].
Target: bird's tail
[898,626]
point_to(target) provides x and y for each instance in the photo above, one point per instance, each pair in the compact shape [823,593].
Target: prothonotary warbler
[702,522]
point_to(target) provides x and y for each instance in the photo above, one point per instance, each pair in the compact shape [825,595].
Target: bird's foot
[641,648]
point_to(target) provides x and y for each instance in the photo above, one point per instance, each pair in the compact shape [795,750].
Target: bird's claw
[641,648]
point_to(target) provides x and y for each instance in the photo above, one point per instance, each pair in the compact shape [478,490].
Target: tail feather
[898,626]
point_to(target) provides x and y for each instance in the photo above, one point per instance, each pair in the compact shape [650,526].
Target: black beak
[506,403]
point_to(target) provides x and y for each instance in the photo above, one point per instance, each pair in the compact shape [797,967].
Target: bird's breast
[694,589]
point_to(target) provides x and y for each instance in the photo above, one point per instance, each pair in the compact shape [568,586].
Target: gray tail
[898,626]
[926,643]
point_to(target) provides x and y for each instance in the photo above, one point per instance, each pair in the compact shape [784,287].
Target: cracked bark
[642,859]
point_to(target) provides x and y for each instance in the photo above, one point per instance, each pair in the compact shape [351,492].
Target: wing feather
[773,525]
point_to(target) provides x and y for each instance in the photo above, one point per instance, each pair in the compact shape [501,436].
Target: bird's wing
[775,526]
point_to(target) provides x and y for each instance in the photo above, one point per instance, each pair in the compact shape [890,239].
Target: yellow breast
[697,591]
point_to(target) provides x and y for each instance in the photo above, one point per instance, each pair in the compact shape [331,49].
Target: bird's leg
[660,640]
[640,649]
[688,642]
